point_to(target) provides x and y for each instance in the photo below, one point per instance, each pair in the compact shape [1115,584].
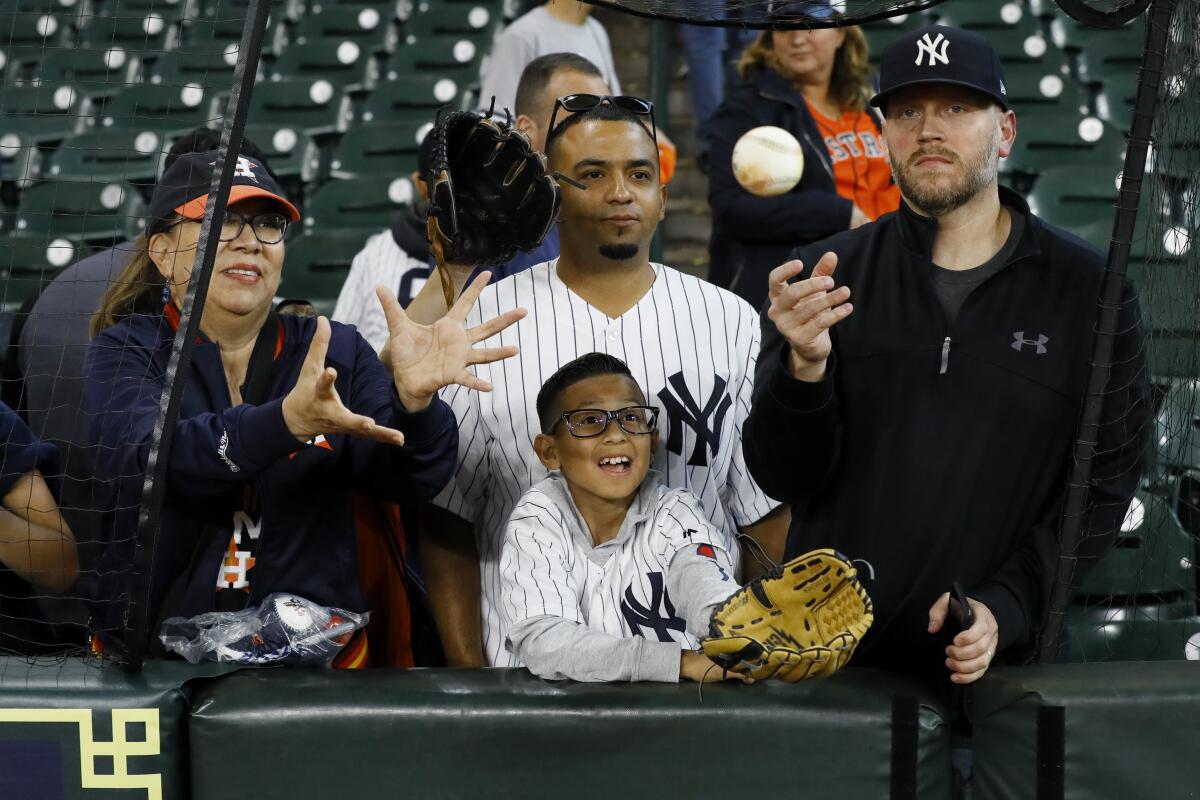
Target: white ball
[768,161]
[1191,650]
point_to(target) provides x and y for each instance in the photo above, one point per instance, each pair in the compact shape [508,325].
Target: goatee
[619,252]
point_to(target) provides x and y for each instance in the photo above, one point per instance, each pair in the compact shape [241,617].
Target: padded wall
[76,730]
[1098,731]
[504,733]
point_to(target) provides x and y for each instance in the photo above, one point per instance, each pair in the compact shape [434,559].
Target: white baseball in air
[768,161]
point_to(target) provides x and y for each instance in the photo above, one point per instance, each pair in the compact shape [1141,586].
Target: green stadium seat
[1099,52]
[448,56]
[294,157]
[81,212]
[366,204]
[110,156]
[27,36]
[1130,634]
[95,73]
[1018,40]
[136,34]
[1177,436]
[374,150]
[174,9]
[1082,201]
[212,69]
[167,109]
[217,34]
[28,262]
[473,21]
[983,15]
[316,266]
[1152,559]
[344,64]
[20,160]
[880,33]
[1031,83]
[1045,140]
[42,114]
[316,107]
[412,97]
[372,30]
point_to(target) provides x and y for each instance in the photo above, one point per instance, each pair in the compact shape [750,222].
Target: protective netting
[96,99]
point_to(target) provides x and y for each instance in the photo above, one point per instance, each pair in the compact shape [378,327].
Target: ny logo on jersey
[659,617]
[930,47]
[682,409]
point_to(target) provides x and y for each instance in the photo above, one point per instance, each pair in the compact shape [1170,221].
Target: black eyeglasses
[575,103]
[584,423]
[268,228]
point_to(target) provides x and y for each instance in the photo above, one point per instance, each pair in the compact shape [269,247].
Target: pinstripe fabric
[689,344]
[381,262]
[549,565]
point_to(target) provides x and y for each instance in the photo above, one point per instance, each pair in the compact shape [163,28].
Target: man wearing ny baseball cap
[921,377]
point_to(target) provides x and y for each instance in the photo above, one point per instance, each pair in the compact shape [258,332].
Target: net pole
[150,518]
[1108,314]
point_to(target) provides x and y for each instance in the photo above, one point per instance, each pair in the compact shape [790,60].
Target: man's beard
[978,172]
[622,251]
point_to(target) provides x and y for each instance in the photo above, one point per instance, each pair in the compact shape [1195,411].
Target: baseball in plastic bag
[283,629]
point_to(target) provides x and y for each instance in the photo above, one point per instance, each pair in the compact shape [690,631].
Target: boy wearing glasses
[607,574]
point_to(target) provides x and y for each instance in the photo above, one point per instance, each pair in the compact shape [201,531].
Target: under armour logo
[684,410]
[934,48]
[245,169]
[1039,343]
[639,616]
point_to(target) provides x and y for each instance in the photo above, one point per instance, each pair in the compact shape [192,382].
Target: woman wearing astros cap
[284,419]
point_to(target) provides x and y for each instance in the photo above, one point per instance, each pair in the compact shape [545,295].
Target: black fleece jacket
[937,451]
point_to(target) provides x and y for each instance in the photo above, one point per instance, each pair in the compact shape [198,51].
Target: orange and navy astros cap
[184,187]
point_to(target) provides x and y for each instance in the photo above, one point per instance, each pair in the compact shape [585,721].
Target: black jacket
[939,452]
[753,235]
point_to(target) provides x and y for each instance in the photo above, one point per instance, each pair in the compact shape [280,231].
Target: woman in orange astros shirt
[815,84]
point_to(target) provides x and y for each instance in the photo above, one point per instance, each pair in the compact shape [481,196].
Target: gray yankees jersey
[690,345]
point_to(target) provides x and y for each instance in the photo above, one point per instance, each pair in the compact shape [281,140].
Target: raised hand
[804,312]
[425,358]
[313,406]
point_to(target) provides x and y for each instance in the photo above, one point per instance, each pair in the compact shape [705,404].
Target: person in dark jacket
[927,428]
[813,84]
[284,418]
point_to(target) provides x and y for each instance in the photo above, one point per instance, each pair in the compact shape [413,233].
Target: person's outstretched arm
[35,541]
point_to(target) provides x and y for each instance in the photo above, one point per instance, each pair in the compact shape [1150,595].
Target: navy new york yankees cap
[184,187]
[938,54]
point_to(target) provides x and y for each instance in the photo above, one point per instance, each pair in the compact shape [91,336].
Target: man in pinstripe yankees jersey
[691,345]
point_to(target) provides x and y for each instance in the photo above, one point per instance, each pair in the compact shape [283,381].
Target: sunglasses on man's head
[575,103]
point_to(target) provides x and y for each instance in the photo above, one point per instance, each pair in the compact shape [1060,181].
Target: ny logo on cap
[934,48]
[1039,344]
[245,169]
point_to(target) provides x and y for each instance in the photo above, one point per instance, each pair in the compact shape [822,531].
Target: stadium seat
[344,64]
[1151,560]
[374,150]
[216,34]
[473,21]
[42,114]
[95,73]
[212,69]
[293,155]
[1129,634]
[410,97]
[136,34]
[1032,84]
[1018,40]
[20,160]
[81,212]
[1044,141]
[880,33]
[983,15]
[1082,201]
[366,204]
[109,156]
[1177,442]
[1098,52]
[372,30]
[316,267]
[316,107]
[28,262]
[448,56]
[162,108]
